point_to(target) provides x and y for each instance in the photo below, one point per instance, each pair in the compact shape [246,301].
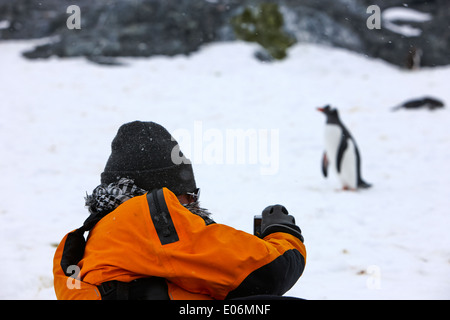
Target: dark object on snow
[427,102]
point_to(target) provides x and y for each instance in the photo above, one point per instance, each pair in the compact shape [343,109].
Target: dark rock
[105,61]
[114,28]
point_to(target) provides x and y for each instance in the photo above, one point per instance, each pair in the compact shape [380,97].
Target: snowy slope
[389,242]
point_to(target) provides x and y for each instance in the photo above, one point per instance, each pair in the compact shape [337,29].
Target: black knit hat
[142,151]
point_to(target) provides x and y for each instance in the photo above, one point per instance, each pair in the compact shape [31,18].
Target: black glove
[277,219]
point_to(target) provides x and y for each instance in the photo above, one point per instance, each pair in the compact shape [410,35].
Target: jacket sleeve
[224,263]
[279,275]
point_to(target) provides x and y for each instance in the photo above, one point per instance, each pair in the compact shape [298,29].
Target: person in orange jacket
[149,238]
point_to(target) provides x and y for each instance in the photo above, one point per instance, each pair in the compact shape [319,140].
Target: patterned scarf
[105,198]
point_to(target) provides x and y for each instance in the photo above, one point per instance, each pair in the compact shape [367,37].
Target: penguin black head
[332,114]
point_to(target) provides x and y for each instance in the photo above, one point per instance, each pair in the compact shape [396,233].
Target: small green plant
[264,25]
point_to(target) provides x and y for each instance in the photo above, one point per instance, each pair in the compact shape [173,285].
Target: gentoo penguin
[426,102]
[341,152]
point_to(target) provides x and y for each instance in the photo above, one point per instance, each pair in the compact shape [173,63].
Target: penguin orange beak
[321,109]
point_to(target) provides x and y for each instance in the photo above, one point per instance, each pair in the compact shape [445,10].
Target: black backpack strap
[75,244]
[73,251]
[161,217]
[122,291]
[152,288]
[115,290]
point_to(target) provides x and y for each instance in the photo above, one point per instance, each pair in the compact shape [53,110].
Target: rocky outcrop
[114,28]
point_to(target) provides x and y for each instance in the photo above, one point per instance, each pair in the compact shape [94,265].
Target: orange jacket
[197,260]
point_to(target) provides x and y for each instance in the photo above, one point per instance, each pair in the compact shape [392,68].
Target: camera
[257,225]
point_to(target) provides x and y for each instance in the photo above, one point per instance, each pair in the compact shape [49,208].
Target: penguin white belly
[333,135]
[347,175]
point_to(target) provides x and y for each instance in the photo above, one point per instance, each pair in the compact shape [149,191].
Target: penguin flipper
[361,183]
[342,147]
[325,165]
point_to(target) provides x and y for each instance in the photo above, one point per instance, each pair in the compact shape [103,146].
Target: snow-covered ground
[58,118]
